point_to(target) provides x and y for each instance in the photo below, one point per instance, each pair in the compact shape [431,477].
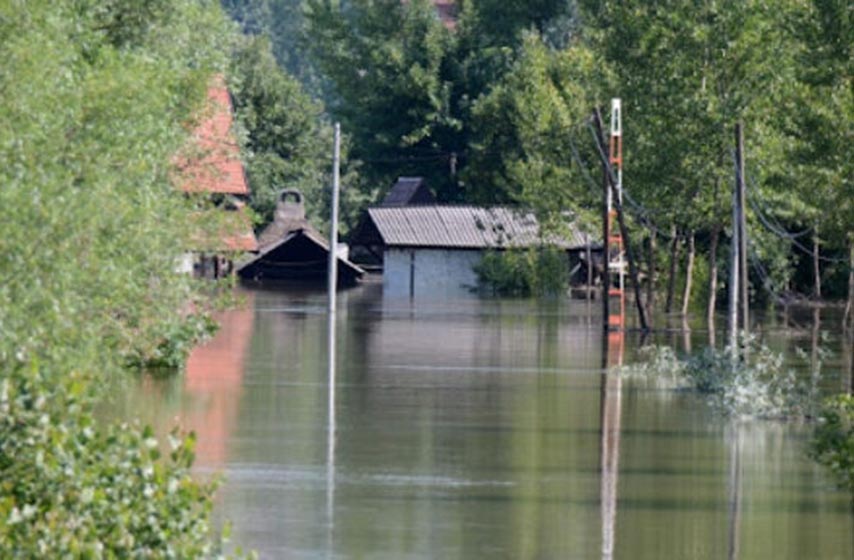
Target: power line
[788,236]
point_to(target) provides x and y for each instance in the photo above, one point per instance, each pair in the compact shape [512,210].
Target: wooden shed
[291,249]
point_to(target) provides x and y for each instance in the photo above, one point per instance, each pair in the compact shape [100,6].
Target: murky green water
[482,429]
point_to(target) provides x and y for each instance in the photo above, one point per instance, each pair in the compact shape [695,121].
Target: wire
[766,218]
[788,236]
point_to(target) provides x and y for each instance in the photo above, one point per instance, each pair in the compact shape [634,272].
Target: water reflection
[610,414]
[734,492]
[470,429]
[213,384]
[331,325]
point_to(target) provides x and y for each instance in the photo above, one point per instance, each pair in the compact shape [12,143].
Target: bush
[833,440]
[758,386]
[540,271]
[98,97]
[71,489]
[173,349]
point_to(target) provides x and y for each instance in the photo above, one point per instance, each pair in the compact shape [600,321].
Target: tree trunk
[689,274]
[671,280]
[652,277]
[848,318]
[816,266]
[713,277]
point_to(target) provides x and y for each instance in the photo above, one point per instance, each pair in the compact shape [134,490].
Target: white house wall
[437,272]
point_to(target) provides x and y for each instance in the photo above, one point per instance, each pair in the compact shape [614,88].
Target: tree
[687,73]
[821,124]
[283,23]
[288,141]
[522,132]
[98,98]
[389,73]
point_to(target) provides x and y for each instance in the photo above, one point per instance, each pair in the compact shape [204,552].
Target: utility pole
[734,260]
[606,229]
[742,231]
[333,224]
[618,250]
[331,425]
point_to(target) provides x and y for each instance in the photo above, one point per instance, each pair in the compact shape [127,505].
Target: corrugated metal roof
[466,227]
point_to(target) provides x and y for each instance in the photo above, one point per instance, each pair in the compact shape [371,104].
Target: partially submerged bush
[833,441]
[759,386]
[516,272]
[178,340]
[70,489]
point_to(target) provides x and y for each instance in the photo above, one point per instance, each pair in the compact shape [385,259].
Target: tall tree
[523,131]
[822,123]
[388,70]
[286,137]
[687,72]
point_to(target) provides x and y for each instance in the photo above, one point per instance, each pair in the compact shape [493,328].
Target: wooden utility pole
[816,264]
[734,262]
[742,230]
[606,226]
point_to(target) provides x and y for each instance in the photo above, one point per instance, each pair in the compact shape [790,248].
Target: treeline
[496,110]
[97,99]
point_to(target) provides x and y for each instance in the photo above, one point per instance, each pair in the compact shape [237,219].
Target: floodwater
[484,429]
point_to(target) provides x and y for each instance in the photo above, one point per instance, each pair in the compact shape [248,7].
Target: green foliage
[173,349]
[283,23]
[288,143]
[833,441]
[97,100]
[756,386]
[513,272]
[498,22]
[390,84]
[522,132]
[73,489]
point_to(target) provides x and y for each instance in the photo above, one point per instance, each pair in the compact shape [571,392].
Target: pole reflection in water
[609,446]
[734,492]
[330,439]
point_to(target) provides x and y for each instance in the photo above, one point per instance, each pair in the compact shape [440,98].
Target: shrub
[173,349]
[757,386]
[833,441]
[98,97]
[72,489]
[539,271]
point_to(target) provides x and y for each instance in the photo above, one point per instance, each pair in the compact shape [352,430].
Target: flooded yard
[484,429]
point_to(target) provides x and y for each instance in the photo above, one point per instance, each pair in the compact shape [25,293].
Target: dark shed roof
[409,190]
[467,227]
[290,248]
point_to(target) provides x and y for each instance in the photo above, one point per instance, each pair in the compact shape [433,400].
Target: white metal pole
[331,331]
[333,224]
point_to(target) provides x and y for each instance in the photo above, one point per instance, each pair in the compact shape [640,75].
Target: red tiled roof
[212,162]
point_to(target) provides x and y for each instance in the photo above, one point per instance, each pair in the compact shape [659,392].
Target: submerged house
[210,166]
[291,249]
[434,249]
